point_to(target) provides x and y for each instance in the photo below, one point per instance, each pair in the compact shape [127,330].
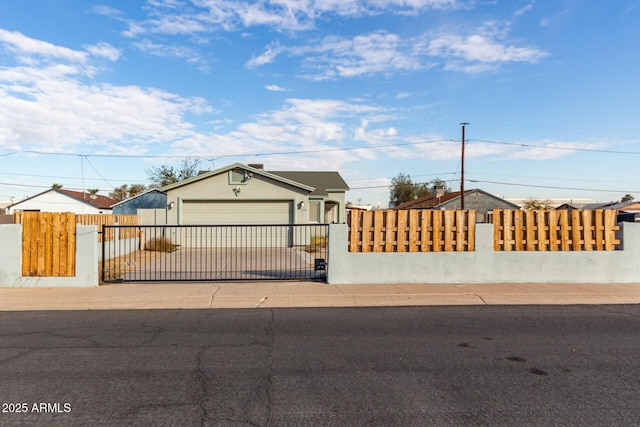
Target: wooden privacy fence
[100,220]
[555,230]
[48,244]
[411,231]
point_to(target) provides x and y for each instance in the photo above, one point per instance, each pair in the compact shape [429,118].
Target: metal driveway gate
[134,253]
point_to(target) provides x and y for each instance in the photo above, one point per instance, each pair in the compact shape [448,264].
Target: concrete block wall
[484,265]
[11,260]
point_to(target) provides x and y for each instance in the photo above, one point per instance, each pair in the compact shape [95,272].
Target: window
[314,212]
[238,176]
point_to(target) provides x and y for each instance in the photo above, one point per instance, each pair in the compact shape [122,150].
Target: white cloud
[275,88]
[104,50]
[282,15]
[51,107]
[484,49]
[367,54]
[22,45]
[321,128]
[269,55]
[524,9]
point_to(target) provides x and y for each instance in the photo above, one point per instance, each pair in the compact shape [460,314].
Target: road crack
[202,379]
[270,368]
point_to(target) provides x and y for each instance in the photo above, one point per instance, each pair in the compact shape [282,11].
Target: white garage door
[237,212]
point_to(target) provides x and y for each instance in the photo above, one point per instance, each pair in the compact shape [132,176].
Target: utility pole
[462,170]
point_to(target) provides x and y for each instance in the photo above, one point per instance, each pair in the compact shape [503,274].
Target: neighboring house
[61,200]
[150,199]
[627,211]
[247,194]
[480,201]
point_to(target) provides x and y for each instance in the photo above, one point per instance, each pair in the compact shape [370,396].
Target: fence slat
[610,230]
[366,231]
[413,231]
[599,230]
[471,231]
[401,234]
[576,228]
[448,235]
[460,217]
[354,225]
[542,230]
[507,230]
[390,231]
[497,228]
[565,230]
[518,228]
[437,231]
[426,241]
[378,226]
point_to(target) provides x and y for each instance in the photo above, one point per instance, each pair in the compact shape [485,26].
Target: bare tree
[165,174]
[537,204]
[126,191]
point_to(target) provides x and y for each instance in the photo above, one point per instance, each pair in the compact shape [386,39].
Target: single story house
[247,194]
[480,201]
[61,200]
[627,211]
[150,199]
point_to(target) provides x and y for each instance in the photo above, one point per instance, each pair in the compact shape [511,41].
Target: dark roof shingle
[321,181]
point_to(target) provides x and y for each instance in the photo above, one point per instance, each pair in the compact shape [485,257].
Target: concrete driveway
[211,264]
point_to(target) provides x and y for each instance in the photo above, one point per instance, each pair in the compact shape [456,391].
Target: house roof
[152,190]
[431,201]
[98,201]
[323,182]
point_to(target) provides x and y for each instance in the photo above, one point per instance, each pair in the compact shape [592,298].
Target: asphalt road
[480,365]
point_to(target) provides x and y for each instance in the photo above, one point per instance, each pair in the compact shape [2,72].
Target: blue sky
[92,94]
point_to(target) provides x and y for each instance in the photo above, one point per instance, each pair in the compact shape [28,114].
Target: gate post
[104,261]
[337,264]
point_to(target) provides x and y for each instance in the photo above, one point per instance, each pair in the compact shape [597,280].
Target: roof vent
[256,165]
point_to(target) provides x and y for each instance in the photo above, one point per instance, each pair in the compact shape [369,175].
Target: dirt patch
[118,267]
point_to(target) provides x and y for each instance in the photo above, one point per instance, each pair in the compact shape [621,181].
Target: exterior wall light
[171,205]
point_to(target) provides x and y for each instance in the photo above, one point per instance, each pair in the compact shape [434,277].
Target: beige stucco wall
[218,187]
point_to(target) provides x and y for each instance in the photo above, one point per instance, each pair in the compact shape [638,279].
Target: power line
[210,158]
[554,187]
[548,147]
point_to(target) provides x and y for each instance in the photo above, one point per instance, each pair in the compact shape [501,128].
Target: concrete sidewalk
[308,294]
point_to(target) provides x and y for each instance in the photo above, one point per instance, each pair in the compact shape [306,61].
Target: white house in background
[61,200]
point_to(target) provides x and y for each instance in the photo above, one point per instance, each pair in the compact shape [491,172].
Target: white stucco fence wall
[118,247]
[484,265]
[11,260]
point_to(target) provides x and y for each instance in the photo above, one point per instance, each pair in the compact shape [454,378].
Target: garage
[242,223]
[237,212]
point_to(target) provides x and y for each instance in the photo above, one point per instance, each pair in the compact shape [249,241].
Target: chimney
[256,165]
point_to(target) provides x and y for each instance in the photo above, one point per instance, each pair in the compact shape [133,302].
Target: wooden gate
[48,243]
